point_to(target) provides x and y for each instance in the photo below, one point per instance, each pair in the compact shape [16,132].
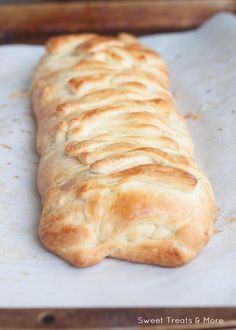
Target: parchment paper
[203,72]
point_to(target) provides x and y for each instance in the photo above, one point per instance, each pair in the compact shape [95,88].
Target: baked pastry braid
[116,175]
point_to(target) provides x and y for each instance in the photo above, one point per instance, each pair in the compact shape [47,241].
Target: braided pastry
[116,174]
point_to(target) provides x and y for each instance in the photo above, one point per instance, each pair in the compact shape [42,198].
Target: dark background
[33,21]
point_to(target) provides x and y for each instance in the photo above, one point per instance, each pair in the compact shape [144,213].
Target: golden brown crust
[116,174]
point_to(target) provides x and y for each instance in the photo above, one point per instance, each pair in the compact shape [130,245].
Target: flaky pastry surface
[116,174]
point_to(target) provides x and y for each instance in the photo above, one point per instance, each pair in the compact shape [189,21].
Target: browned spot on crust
[61,107]
[55,233]
[168,174]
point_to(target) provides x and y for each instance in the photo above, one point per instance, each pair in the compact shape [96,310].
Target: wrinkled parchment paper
[203,72]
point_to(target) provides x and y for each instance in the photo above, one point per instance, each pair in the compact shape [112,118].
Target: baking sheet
[203,71]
